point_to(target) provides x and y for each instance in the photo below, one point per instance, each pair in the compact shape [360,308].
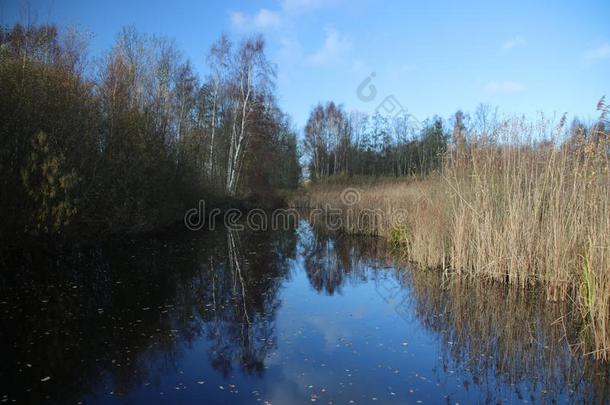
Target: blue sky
[433,57]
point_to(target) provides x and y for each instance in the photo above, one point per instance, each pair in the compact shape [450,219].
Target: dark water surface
[280,317]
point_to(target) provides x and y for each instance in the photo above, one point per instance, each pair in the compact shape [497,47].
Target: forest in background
[340,145]
[125,142]
[345,144]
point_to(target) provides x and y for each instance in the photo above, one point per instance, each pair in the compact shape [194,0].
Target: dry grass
[510,208]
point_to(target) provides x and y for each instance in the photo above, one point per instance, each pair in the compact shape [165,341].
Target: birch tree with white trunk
[251,81]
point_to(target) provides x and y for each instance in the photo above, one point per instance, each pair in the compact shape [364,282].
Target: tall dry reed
[519,203]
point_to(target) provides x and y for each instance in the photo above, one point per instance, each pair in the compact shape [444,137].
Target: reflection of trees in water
[505,339]
[122,315]
[242,303]
[331,260]
[76,316]
[506,335]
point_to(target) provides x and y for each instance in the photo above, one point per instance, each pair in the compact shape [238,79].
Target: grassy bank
[517,204]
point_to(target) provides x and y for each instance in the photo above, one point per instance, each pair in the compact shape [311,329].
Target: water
[282,317]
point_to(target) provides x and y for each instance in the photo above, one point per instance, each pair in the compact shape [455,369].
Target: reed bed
[520,203]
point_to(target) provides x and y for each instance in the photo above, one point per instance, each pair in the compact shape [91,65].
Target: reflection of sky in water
[331,320]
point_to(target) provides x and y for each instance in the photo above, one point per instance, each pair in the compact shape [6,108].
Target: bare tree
[218,59]
[313,143]
[251,79]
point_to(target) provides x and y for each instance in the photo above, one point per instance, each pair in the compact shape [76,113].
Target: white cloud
[601,52]
[505,87]
[513,43]
[280,18]
[262,21]
[295,6]
[334,49]
[266,19]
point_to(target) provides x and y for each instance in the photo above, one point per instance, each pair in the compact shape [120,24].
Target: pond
[291,316]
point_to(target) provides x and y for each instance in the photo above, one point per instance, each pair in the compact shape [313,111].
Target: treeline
[125,142]
[340,143]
